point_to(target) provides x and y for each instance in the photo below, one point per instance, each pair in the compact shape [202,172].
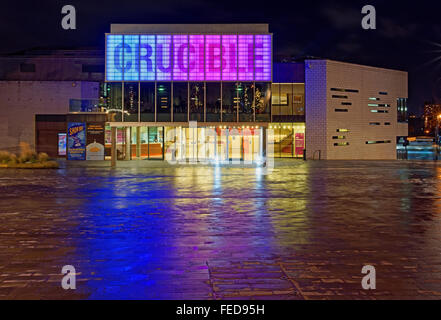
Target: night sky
[408,34]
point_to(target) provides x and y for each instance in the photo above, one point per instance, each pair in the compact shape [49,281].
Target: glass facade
[280,105]
[213,144]
[189,101]
[222,143]
[288,140]
[288,103]
[205,102]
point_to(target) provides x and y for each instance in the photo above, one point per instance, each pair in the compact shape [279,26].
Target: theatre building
[200,93]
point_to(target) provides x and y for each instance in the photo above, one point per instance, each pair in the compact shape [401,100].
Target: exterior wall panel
[315,109]
[352,93]
[22,100]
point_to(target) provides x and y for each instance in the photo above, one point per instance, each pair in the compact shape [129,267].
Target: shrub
[27,158]
[5,156]
[26,153]
[43,157]
[12,159]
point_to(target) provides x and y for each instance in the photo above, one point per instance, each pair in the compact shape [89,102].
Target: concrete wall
[322,100]
[20,101]
[52,66]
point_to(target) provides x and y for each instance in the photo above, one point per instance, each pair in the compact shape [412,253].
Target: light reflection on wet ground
[302,232]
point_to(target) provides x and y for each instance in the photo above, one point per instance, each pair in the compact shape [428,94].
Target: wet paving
[303,231]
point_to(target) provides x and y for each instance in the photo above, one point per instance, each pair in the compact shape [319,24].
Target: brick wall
[315,109]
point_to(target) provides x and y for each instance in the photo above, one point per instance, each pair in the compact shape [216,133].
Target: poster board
[95,141]
[76,141]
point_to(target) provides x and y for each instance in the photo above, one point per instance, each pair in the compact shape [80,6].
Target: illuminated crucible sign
[188,57]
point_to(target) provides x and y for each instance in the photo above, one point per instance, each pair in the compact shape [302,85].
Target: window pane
[114,105]
[147,101]
[197,101]
[299,139]
[229,102]
[276,100]
[286,141]
[299,99]
[262,101]
[130,102]
[246,98]
[180,103]
[144,137]
[163,96]
[155,142]
[213,101]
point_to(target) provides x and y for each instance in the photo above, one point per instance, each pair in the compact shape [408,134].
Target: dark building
[432,111]
[416,126]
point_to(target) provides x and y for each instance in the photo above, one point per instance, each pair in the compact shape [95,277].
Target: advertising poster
[62,143]
[76,141]
[300,144]
[95,141]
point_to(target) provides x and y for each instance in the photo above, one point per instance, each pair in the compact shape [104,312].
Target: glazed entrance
[189,144]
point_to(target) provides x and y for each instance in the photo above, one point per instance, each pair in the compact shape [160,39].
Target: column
[113,148]
[128,143]
[138,142]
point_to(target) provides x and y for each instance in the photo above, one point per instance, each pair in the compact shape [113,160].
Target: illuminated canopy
[188,57]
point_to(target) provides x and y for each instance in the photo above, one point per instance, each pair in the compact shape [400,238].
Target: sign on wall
[62,144]
[76,141]
[299,143]
[95,141]
[193,57]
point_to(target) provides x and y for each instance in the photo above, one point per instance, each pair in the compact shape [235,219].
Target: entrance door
[156,142]
[235,145]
